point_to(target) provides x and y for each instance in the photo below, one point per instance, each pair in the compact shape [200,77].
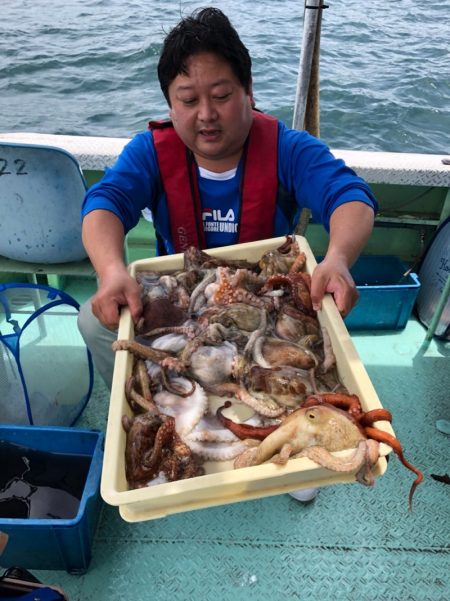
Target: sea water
[40,485]
[88,67]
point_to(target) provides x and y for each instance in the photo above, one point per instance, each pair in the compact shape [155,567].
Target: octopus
[299,285]
[185,409]
[158,313]
[225,291]
[315,432]
[286,258]
[292,324]
[272,352]
[153,447]
[211,365]
[239,315]
[284,384]
[198,259]
[365,421]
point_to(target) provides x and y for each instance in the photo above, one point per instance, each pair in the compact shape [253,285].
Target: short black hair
[206,30]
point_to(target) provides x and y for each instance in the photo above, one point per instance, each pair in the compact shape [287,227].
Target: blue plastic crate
[386,297]
[56,544]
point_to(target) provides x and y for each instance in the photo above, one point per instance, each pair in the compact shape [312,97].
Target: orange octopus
[226,291]
[349,403]
[365,421]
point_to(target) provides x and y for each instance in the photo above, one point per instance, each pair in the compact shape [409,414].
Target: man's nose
[207,111]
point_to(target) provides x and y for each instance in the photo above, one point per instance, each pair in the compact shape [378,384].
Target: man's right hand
[103,238]
[116,290]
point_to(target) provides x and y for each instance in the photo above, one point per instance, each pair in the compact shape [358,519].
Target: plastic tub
[56,544]
[222,484]
[386,295]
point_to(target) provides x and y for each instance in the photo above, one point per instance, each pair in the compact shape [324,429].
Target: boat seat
[41,191]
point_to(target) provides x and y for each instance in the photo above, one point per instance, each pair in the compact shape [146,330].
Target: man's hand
[332,275]
[350,227]
[103,238]
[116,290]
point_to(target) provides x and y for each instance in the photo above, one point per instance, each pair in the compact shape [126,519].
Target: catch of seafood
[230,362]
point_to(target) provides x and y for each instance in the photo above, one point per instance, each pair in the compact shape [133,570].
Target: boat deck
[350,543]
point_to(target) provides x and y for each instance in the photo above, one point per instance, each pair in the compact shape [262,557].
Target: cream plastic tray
[222,484]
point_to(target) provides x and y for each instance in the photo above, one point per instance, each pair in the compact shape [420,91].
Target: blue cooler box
[56,544]
[386,296]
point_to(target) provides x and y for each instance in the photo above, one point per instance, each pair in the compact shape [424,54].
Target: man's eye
[188,101]
[222,96]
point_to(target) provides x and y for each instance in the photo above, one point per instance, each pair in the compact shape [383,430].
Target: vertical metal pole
[312,114]
[310,21]
[306,107]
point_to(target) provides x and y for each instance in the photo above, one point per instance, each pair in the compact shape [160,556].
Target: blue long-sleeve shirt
[311,176]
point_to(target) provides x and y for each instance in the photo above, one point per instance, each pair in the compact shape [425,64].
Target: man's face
[211,111]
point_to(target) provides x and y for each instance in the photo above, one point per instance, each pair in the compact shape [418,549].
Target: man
[217,162]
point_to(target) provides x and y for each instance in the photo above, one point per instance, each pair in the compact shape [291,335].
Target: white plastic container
[222,484]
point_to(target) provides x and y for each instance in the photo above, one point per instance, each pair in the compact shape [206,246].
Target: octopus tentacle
[129,387]
[313,383]
[287,245]
[266,407]
[390,440]
[365,475]
[198,291]
[246,459]
[299,263]
[329,360]
[188,331]
[223,388]
[141,350]
[348,402]
[210,429]
[174,388]
[338,464]
[256,334]
[258,356]
[143,379]
[216,451]
[136,399]
[244,431]
[375,415]
[152,459]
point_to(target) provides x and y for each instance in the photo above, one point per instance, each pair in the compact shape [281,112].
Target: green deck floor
[351,543]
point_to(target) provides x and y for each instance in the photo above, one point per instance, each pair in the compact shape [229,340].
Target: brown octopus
[153,446]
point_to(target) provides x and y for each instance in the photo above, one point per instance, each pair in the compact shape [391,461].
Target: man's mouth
[210,134]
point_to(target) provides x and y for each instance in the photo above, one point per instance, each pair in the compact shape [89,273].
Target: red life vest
[258,187]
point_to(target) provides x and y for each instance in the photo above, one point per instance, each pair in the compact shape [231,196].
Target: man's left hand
[332,275]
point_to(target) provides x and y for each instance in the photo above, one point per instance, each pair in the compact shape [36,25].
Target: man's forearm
[351,225]
[103,237]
